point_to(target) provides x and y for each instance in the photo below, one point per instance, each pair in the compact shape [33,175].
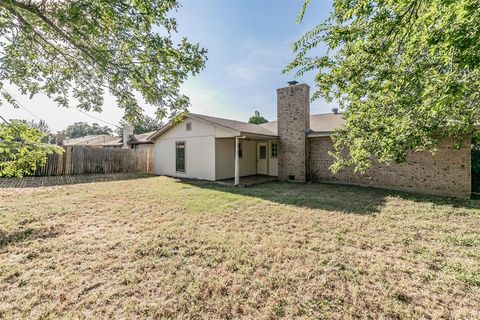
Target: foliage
[85,48]
[406,73]
[82,129]
[21,149]
[257,118]
[42,125]
[144,124]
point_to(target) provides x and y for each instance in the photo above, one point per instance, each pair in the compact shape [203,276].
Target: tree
[82,129]
[81,49]
[145,124]
[257,118]
[406,73]
[43,127]
[21,149]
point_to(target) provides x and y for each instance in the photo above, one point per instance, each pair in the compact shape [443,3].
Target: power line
[25,108]
[81,111]
[89,115]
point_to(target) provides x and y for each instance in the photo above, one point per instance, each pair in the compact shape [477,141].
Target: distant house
[296,148]
[133,141]
[91,141]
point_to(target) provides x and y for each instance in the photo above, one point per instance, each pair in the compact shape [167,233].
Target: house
[132,141]
[91,141]
[296,148]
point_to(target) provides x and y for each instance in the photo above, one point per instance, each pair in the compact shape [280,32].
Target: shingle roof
[319,123]
[142,138]
[243,127]
[94,140]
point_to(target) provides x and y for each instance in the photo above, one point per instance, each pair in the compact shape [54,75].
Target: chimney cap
[335,110]
[292,83]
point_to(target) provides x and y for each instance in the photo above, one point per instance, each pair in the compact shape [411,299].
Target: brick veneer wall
[293,112]
[448,172]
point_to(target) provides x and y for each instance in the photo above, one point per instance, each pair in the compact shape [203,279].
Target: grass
[164,248]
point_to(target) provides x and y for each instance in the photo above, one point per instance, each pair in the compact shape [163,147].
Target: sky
[249,43]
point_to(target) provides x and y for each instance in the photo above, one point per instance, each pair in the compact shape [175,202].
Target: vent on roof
[292,83]
[335,110]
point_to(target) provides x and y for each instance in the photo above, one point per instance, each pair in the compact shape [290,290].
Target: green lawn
[157,247]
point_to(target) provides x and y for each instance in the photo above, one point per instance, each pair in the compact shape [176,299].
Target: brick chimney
[293,113]
[127,132]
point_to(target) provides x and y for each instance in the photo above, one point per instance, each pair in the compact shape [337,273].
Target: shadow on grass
[49,181]
[26,234]
[330,197]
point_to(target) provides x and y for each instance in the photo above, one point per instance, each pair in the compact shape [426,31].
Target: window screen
[180,156]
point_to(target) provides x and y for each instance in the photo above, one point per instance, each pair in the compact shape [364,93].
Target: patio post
[237,164]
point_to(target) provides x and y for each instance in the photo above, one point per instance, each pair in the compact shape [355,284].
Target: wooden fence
[80,160]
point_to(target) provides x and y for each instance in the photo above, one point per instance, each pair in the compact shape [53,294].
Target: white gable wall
[199,149]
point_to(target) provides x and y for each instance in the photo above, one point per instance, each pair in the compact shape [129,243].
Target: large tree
[75,51]
[405,72]
[82,129]
[82,49]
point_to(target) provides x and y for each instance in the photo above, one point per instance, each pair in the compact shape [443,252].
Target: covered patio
[246,160]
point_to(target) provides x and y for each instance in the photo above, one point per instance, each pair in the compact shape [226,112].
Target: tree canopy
[22,149]
[145,124]
[257,118]
[82,129]
[405,72]
[82,49]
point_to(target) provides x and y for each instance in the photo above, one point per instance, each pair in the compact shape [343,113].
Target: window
[274,152]
[189,126]
[240,149]
[262,152]
[180,156]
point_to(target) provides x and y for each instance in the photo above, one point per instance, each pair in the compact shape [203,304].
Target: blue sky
[248,42]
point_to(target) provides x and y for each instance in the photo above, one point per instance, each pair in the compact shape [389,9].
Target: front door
[262,164]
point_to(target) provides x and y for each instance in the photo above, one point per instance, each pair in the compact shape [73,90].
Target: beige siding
[225,159]
[199,151]
[446,173]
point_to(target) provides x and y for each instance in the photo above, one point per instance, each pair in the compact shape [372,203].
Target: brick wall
[446,173]
[293,112]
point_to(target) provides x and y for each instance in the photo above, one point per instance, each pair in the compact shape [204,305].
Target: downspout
[237,161]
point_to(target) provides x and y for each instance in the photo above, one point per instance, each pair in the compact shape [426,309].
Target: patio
[248,181]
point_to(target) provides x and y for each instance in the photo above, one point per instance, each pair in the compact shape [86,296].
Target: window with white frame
[240,149]
[274,151]
[180,156]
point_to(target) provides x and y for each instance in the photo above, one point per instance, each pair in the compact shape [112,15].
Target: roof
[243,127]
[319,123]
[323,124]
[93,140]
[140,138]
[134,139]
[116,142]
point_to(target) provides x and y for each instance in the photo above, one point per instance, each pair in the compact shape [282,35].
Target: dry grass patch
[164,248]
